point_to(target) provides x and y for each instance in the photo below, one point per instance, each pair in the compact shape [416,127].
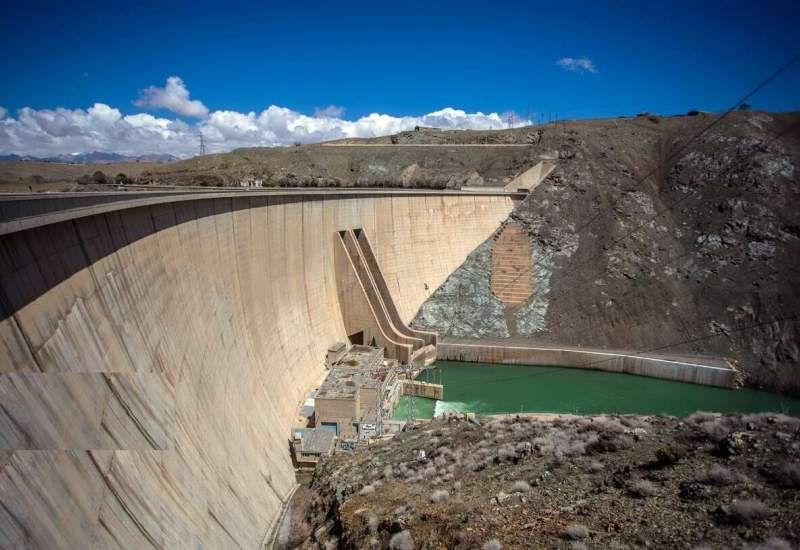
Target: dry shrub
[524,448]
[747,512]
[610,443]
[717,475]
[405,472]
[642,488]
[769,420]
[476,464]
[565,443]
[632,422]
[594,466]
[699,417]
[520,487]
[493,544]
[788,475]
[440,496]
[713,427]
[575,531]
[372,524]
[669,455]
[605,424]
[403,510]
[774,543]
[402,541]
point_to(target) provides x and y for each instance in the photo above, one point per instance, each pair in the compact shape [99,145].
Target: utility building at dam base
[359,394]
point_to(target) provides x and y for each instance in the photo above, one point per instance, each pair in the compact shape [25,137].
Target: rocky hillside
[642,242]
[437,159]
[571,482]
[351,166]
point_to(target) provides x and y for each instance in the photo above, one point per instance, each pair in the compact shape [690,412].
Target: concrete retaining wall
[532,177]
[153,354]
[711,373]
[428,390]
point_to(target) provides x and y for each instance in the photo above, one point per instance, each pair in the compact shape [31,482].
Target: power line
[705,129]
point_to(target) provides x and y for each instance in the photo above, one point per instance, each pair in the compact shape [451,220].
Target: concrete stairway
[512,280]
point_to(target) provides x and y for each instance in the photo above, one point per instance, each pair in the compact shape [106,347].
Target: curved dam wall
[153,352]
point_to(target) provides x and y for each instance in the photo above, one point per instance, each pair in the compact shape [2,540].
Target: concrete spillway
[154,348]
[368,309]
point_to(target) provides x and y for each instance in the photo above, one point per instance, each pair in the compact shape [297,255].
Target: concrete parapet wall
[532,177]
[153,351]
[711,373]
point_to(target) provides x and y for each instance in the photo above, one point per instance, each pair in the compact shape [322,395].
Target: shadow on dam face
[63,249]
[153,356]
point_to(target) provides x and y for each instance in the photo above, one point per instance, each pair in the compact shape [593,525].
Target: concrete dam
[156,346]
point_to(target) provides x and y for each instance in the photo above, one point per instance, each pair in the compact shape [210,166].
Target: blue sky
[401,58]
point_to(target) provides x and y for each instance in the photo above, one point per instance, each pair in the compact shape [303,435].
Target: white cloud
[174,97]
[331,111]
[580,64]
[3,112]
[49,132]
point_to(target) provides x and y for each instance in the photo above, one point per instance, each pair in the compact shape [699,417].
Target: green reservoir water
[493,389]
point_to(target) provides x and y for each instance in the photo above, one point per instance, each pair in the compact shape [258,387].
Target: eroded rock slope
[648,237]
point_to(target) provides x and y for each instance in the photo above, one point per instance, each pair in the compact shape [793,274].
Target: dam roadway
[156,345]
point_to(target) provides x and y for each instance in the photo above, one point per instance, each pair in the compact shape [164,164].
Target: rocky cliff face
[643,241]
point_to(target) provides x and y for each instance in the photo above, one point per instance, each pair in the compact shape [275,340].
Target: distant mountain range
[95,157]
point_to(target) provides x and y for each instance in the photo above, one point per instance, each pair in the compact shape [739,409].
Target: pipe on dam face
[153,355]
